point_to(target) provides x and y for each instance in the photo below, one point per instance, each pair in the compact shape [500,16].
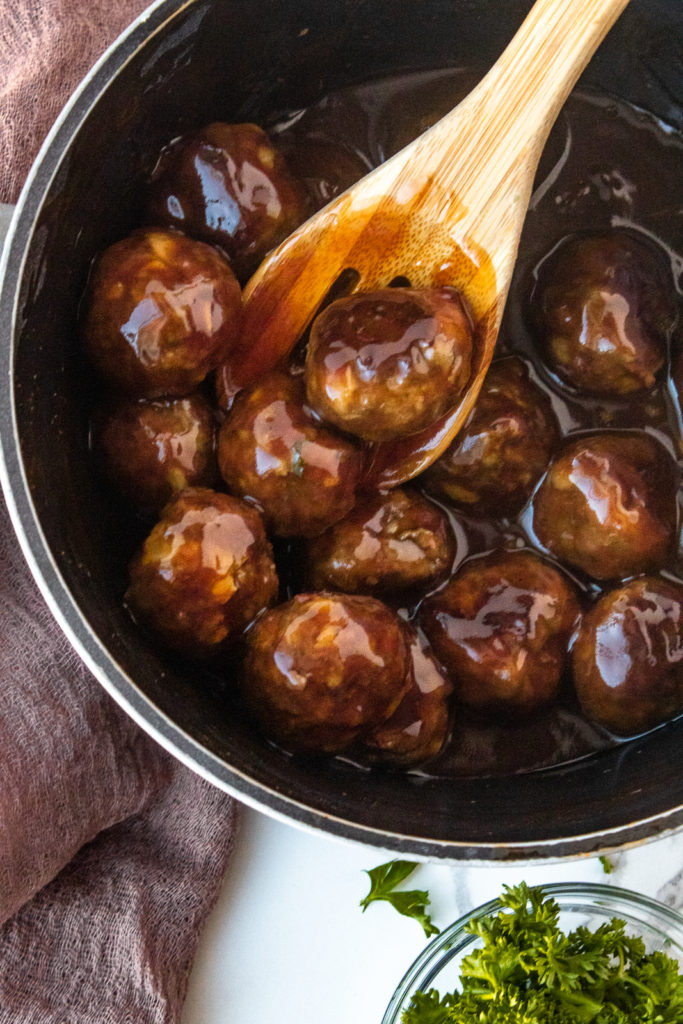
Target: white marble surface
[288,943]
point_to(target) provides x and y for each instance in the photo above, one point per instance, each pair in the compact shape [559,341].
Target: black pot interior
[246,61]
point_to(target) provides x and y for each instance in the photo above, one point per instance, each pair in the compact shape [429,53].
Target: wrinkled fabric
[46,47]
[112,938]
[111,852]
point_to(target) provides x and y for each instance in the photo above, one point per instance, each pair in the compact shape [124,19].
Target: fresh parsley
[528,971]
[411,902]
[607,865]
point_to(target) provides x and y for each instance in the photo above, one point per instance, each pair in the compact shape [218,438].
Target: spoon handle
[507,117]
[540,66]
[484,153]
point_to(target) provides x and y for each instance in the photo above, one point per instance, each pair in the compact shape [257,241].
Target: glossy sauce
[152,449]
[606,165]
[273,450]
[629,652]
[216,545]
[386,363]
[388,543]
[162,311]
[227,175]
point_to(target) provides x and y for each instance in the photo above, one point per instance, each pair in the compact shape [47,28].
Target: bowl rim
[42,563]
[612,898]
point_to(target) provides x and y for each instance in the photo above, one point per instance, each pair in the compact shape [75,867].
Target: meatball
[603,306]
[151,449]
[161,312]
[228,184]
[388,363]
[501,626]
[628,656]
[204,573]
[607,504]
[394,540]
[504,447]
[418,728]
[271,450]
[323,667]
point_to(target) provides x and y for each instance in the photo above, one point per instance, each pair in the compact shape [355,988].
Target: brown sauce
[606,165]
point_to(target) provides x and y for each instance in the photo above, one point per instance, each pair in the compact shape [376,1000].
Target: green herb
[607,865]
[529,972]
[411,902]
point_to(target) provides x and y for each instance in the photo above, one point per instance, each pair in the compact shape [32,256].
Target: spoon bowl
[448,209]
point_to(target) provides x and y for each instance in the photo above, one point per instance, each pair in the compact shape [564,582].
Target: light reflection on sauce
[224,540]
[605,494]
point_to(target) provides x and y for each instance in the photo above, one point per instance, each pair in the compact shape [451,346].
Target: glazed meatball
[323,667]
[418,728]
[502,451]
[271,450]
[604,305]
[628,656]
[607,504]
[501,626]
[228,185]
[161,312]
[388,363]
[151,449]
[204,573]
[392,541]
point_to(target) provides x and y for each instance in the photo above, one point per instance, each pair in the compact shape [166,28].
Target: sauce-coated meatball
[501,626]
[394,540]
[204,573]
[162,311]
[628,656]
[503,449]
[608,504]
[323,667]
[418,728]
[271,450]
[388,363]
[151,449]
[228,185]
[604,305]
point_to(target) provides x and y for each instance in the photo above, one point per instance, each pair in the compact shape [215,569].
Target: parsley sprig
[411,902]
[528,971]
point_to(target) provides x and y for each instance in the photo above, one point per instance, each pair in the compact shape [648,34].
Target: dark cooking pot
[183,64]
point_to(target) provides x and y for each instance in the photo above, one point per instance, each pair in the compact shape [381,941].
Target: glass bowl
[581,903]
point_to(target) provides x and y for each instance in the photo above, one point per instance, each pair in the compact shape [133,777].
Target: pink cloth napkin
[46,47]
[111,853]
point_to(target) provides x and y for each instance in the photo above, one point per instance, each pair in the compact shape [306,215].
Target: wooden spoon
[447,209]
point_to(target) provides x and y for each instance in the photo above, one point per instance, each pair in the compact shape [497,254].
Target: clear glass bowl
[581,903]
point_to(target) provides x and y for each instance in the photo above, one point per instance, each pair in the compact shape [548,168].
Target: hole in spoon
[343,285]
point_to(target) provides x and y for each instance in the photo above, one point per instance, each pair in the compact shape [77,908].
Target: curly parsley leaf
[607,865]
[528,971]
[410,902]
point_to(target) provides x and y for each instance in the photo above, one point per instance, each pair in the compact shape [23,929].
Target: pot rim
[73,623]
